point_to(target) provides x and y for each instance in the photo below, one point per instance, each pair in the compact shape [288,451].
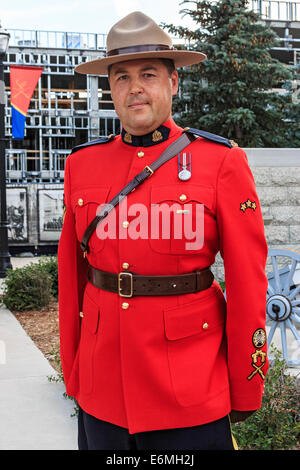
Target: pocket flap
[90,314]
[201,316]
[85,196]
[198,193]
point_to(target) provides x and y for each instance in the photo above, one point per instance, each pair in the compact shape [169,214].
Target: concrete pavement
[34,415]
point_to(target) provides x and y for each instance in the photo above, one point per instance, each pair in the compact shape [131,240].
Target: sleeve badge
[248,205]
[258,357]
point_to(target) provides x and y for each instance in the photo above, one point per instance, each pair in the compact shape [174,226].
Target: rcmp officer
[151,350]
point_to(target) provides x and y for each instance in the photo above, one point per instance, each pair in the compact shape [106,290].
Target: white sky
[90,16]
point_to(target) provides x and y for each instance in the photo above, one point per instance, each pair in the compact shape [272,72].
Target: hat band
[143,48]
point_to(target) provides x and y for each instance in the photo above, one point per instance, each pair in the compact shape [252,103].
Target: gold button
[141,154]
[125,305]
[125,265]
[80,202]
[81,314]
[125,224]
[205,326]
[183,197]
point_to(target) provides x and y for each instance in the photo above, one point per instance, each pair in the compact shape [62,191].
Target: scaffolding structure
[277,10]
[66,108]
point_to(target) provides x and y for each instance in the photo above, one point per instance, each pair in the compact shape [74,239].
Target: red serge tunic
[148,363]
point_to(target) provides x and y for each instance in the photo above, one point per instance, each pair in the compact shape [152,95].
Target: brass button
[80,202]
[183,197]
[125,305]
[125,265]
[125,224]
[81,314]
[205,326]
[140,154]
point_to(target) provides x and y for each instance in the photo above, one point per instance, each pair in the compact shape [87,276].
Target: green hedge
[31,287]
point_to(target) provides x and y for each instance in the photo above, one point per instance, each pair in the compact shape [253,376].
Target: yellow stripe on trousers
[235,446]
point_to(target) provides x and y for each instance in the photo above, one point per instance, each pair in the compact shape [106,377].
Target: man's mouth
[137,105]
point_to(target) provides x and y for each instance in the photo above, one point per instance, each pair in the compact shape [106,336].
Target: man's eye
[122,77]
[148,75]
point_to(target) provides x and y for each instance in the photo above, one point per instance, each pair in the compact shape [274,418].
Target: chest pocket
[86,203]
[178,218]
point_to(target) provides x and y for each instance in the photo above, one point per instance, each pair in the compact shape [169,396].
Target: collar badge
[128,138]
[157,136]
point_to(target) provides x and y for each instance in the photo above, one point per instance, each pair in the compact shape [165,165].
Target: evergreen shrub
[30,287]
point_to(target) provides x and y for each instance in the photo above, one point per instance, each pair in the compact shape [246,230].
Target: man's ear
[174,81]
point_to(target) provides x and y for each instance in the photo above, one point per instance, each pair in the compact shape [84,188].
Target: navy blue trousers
[95,434]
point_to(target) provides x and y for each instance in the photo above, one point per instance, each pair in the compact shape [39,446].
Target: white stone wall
[277,177]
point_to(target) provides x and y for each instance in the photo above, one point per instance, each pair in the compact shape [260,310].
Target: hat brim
[100,66]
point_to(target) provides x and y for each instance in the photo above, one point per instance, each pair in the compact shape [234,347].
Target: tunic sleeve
[244,251]
[72,269]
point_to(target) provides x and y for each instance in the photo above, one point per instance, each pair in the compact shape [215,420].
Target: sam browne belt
[128,284]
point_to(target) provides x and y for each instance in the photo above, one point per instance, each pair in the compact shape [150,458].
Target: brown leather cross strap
[128,284]
[177,146]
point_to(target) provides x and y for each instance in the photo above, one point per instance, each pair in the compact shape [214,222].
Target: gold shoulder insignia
[233,143]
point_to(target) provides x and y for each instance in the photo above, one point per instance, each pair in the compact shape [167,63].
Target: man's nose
[136,86]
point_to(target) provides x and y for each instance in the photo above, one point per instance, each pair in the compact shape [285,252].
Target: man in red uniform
[151,350]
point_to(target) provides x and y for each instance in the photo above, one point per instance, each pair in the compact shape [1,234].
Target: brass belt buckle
[149,170]
[119,284]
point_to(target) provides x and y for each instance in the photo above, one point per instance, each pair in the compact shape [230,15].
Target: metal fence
[276,10]
[56,39]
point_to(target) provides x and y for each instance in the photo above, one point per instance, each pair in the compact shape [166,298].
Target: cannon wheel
[283,306]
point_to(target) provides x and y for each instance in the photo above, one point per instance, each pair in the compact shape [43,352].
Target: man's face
[142,93]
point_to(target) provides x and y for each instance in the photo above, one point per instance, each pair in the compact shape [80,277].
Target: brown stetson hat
[137,36]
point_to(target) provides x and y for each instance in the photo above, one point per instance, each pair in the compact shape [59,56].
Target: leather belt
[128,284]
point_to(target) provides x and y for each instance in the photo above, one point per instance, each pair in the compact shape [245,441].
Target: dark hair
[169,64]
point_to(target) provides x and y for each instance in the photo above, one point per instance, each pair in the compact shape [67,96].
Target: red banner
[23,80]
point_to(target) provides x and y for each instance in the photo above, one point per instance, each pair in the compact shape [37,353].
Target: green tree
[230,93]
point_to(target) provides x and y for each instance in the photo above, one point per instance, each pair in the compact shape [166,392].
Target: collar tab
[158,136]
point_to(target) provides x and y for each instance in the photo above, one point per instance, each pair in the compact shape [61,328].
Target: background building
[68,108]
[284,18]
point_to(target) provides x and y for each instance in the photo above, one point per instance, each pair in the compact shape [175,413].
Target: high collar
[159,135]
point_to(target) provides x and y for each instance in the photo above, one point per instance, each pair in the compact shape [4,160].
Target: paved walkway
[34,415]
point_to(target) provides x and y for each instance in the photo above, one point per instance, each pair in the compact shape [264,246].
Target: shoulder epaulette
[102,140]
[212,137]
